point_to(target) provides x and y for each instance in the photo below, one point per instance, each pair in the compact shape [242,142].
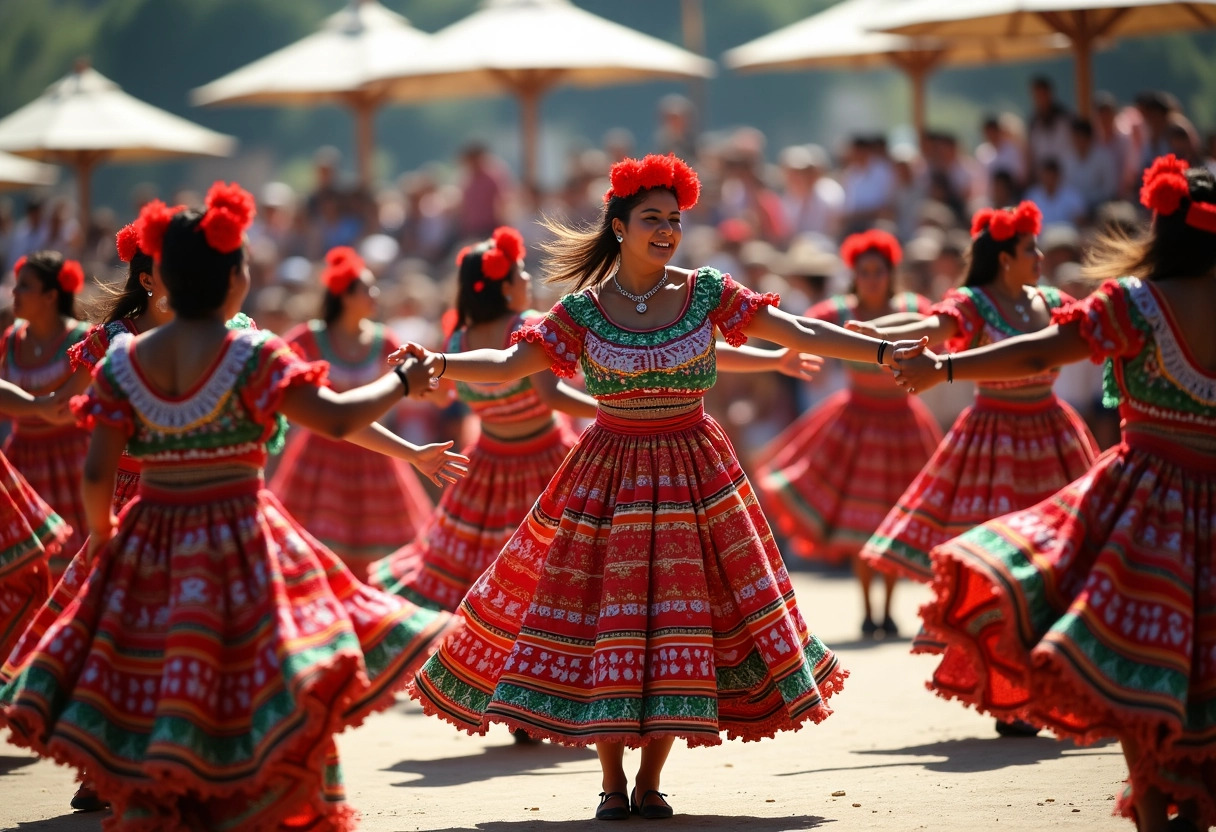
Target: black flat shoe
[612,812]
[869,630]
[889,630]
[87,800]
[650,811]
[1181,824]
[1016,728]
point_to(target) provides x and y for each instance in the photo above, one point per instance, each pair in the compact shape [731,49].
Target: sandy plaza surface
[892,757]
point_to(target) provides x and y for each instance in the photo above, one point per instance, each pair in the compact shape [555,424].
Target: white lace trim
[176,416]
[1173,360]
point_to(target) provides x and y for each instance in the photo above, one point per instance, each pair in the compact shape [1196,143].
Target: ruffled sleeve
[1106,321]
[960,307]
[90,349]
[241,321]
[273,368]
[737,307]
[920,304]
[104,403]
[559,335]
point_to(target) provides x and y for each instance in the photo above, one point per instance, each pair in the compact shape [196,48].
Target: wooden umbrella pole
[918,65]
[84,162]
[364,108]
[529,87]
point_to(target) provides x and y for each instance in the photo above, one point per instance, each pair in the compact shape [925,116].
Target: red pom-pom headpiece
[629,176]
[127,243]
[874,240]
[1165,187]
[230,212]
[343,266]
[506,249]
[71,277]
[1004,223]
[19,265]
[154,219]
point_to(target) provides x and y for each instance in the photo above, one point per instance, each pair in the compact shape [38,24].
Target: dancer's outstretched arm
[338,415]
[516,361]
[437,461]
[747,359]
[937,328]
[561,396]
[822,338]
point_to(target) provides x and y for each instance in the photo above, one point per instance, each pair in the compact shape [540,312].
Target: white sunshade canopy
[16,172]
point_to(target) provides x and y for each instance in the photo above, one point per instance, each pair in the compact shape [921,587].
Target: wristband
[882,348]
[950,369]
[444,356]
[405,382]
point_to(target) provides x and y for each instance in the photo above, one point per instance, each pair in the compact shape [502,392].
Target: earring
[619,238]
[149,293]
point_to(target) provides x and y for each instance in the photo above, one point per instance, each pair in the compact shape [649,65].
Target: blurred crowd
[773,217]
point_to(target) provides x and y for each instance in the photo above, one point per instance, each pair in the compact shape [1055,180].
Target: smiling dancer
[643,599]
[1093,612]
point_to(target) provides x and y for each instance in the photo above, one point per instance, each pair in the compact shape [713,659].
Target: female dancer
[833,474]
[207,612]
[34,357]
[1093,612]
[643,599]
[359,503]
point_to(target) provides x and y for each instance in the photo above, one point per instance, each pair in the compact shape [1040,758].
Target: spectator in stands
[1109,134]
[485,193]
[1049,135]
[869,183]
[1001,149]
[1057,200]
[1090,168]
[813,202]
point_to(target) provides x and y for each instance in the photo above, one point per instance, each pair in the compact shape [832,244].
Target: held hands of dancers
[918,373]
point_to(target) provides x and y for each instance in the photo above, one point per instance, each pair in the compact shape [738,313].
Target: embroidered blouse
[229,416]
[506,403]
[980,323]
[311,340]
[44,378]
[627,366]
[1151,373]
[866,375]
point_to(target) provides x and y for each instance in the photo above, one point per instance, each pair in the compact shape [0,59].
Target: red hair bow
[230,212]
[1003,223]
[629,176]
[1165,186]
[127,242]
[154,219]
[71,277]
[875,240]
[506,251]
[343,266]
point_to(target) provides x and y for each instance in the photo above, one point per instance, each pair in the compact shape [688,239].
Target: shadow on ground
[971,754]
[71,822]
[12,763]
[538,760]
[712,823]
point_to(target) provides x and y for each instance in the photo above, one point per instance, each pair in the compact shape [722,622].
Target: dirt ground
[893,757]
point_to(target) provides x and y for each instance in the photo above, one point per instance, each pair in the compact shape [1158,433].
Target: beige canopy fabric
[527,47]
[333,65]
[16,172]
[838,37]
[1081,21]
[85,119]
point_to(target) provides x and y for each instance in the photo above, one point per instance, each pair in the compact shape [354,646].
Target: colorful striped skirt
[643,597]
[207,658]
[52,462]
[1093,614]
[999,456]
[30,533]
[361,504]
[475,518]
[831,477]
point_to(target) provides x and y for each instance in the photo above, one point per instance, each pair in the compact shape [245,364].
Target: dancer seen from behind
[643,599]
[831,477]
[522,441]
[34,357]
[207,611]
[1093,612]
[360,503]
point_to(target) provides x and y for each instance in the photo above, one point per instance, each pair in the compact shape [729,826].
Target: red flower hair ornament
[19,265]
[1165,187]
[343,266]
[506,249]
[1004,223]
[127,243]
[71,277]
[154,219]
[629,176]
[874,240]
[230,212]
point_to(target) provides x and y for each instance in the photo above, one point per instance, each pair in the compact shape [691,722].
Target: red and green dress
[50,457]
[361,504]
[479,513]
[644,595]
[1093,612]
[214,647]
[831,477]
[1017,445]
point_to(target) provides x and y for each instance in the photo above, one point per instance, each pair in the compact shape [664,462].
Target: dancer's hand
[440,464]
[903,350]
[55,409]
[98,538]
[917,373]
[800,365]
[409,350]
[864,328]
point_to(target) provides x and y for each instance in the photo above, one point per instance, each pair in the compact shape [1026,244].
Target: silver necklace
[640,300]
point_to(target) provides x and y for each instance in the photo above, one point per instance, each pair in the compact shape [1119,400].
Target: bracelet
[405,382]
[950,369]
[882,348]
[444,356]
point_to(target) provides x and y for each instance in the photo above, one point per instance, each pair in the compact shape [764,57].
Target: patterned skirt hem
[889,561]
[768,729]
[1054,684]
